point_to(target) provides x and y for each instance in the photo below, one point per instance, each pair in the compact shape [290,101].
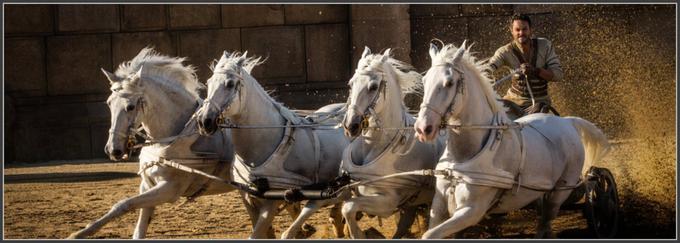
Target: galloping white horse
[377,92]
[493,164]
[161,94]
[286,155]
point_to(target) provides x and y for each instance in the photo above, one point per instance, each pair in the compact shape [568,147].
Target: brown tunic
[543,57]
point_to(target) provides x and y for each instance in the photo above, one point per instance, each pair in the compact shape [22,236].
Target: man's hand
[529,70]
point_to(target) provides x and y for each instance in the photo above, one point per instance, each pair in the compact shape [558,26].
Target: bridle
[370,110]
[134,127]
[221,119]
[446,113]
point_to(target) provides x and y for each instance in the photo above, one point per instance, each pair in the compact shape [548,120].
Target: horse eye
[129,108]
[448,82]
[372,87]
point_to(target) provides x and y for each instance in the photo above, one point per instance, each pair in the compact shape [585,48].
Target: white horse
[495,165]
[377,92]
[286,155]
[161,94]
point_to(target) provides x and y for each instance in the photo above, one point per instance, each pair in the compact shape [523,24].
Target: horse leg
[471,210]
[406,218]
[265,217]
[144,216]
[310,208]
[335,217]
[161,193]
[439,211]
[294,211]
[253,207]
[379,205]
[550,206]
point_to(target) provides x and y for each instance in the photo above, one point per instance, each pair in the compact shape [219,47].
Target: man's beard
[522,40]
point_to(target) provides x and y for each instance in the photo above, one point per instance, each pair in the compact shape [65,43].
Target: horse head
[225,89]
[442,85]
[126,106]
[366,86]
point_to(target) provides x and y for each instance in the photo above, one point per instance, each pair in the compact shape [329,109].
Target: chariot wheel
[601,208]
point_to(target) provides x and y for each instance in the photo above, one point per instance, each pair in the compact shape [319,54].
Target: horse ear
[459,52]
[386,55]
[137,76]
[245,53]
[433,50]
[110,76]
[366,52]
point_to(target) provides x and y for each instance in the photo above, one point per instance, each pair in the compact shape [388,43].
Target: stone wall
[55,93]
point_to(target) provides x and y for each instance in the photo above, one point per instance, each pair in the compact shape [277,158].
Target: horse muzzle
[352,126]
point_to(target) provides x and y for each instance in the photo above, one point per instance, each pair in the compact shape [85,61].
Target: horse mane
[227,63]
[478,68]
[408,79]
[173,73]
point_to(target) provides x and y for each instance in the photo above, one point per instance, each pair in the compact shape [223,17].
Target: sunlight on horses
[494,164]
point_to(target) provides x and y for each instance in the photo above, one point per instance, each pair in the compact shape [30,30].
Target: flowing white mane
[471,63]
[230,63]
[409,80]
[172,72]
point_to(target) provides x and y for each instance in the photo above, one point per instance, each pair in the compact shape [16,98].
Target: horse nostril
[428,129]
[419,131]
[117,152]
[353,127]
[207,123]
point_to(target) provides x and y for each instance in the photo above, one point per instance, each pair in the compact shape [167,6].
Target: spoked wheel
[601,207]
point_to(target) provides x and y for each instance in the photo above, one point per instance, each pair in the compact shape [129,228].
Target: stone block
[435,10]
[327,48]
[29,19]
[99,135]
[52,143]
[73,64]
[284,48]
[316,13]
[379,35]
[88,18]
[450,31]
[127,45]
[194,16]
[487,9]
[542,8]
[143,17]
[379,12]
[488,34]
[202,47]
[25,66]
[252,15]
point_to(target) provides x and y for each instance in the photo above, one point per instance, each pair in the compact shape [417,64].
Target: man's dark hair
[522,17]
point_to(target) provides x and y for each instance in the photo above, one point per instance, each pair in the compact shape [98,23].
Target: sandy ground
[53,200]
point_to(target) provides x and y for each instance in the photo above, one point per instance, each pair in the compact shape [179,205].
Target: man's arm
[553,72]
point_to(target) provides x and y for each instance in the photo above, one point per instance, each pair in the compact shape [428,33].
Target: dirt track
[52,200]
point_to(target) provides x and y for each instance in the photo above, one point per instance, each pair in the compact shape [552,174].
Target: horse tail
[594,141]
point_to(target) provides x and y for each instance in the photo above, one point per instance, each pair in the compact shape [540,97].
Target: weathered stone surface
[487,9]
[327,52]
[99,133]
[54,143]
[88,18]
[194,16]
[202,47]
[542,8]
[379,12]
[25,66]
[127,45]
[73,64]
[284,47]
[450,31]
[315,13]
[250,15]
[435,10]
[379,35]
[143,17]
[488,34]
[29,19]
